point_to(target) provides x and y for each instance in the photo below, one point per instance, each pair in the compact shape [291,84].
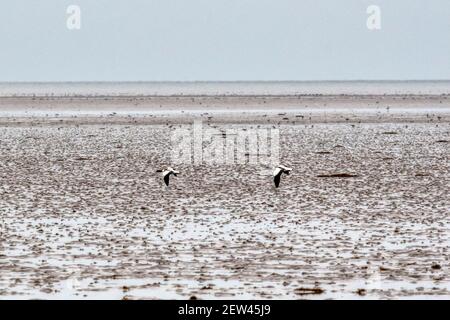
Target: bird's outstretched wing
[276,172]
[166,178]
[277,179]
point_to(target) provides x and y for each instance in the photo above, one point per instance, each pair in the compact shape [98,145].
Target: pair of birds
[277,173]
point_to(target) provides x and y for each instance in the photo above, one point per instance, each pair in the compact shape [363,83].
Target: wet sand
[364,214]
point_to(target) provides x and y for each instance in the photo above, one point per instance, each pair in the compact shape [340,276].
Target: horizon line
[224,81]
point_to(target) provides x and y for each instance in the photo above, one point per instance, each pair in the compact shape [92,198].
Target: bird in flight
[166,173]
[278,172]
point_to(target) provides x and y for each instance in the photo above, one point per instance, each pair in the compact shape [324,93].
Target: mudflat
[365,212]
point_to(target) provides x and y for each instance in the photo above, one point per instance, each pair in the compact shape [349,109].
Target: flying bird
[278,172]
[166,173]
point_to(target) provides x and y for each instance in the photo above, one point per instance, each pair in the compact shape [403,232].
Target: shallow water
[223,88]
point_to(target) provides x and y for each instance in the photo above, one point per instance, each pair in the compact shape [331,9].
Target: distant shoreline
[262,109]
[219,96]
[229,81]
[221,89]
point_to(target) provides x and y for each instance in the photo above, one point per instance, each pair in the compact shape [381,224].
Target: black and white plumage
[278,172]
[166,173]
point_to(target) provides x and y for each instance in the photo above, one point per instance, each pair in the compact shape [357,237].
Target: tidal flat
[364,214]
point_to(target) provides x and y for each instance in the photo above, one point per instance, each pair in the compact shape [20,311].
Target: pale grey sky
[188,40]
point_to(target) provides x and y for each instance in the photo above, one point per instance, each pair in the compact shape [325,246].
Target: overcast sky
[187,40]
